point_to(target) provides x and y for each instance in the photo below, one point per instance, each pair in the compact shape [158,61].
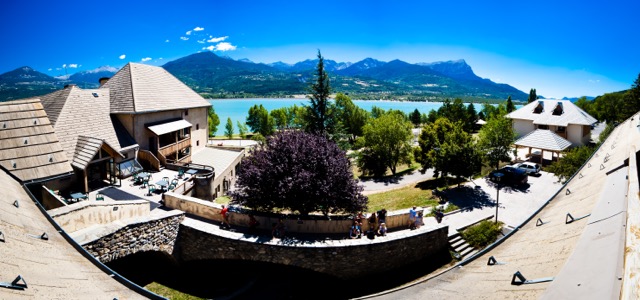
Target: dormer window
[558,110]
[539,108]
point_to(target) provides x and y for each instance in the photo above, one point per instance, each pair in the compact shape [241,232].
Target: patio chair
[145,183]
[134,178]
[174,182]
[180,173]
[171,187]
[152,189]
[99,197]
[166,179]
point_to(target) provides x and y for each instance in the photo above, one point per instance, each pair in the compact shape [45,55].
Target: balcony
[169,151]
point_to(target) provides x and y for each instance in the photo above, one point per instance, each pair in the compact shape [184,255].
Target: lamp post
[498,178]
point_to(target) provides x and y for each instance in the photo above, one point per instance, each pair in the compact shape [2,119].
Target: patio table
[162,184]
[77,196]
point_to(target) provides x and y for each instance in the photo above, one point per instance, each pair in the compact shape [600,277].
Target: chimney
[103,80]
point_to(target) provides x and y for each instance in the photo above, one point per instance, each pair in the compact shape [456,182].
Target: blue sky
[561,48]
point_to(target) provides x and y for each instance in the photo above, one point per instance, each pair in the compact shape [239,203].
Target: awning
[165,128]
[543,139]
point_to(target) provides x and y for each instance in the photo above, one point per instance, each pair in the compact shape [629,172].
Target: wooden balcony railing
[152,160]
[169,151]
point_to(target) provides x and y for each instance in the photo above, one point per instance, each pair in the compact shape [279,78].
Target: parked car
[510,176]
[529,167]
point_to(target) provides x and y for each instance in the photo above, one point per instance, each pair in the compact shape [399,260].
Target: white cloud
[160,58]
[184,38]
[217,39]
[594,81]
[122,56]
[49,69]
[58,69]
[224,46]
[64,66]
[166,41]
[198,29]
[201,41]
[146,59]
[188,32]
[73,66]
[210,48]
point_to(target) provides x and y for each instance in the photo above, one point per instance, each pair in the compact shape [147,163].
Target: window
[186,112]
[197,126]
[546,127]
[558,110]
[561,129]
[539,108]
[197,143]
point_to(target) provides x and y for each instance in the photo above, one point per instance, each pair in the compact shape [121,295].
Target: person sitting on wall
[412,218]
[278,229]
[355,232]
[382,215]
[419,220]
[382,230]
[253,224]
[373,222]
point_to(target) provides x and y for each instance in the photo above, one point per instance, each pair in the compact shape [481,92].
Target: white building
[561,117]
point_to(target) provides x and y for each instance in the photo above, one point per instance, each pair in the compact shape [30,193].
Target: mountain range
[222,77]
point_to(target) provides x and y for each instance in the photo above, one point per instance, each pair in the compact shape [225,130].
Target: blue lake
[238,109]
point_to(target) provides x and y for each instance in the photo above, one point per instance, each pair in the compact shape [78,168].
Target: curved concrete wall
[87,213]
[340,258]
[211,211]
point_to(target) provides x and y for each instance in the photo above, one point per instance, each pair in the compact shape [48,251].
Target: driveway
[516,204]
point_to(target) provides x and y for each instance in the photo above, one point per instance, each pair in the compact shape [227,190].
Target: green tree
[586,105]
[571,162]
[350,117]
[319,113]
[242,130]
[415,118]
[532,96]
[228,129]
[510,106]
[631,100]
[495,139]
[213,121]
[472,118]
[608,107]
[447,148]
[280,117]
[387,143]
[260,121]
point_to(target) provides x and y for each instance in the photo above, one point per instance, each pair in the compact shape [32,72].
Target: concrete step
[467,251]
[462,247]
[455,239]
[453,236]
[457,243]
[471,253]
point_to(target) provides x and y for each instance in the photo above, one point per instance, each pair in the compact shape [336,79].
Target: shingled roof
[87,148]
[571,114]
[139,88]
[29,148]
[82,112]
[51,268]
[543,139]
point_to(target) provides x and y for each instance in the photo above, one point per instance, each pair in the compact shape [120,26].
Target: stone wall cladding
[343,261]
[155,235]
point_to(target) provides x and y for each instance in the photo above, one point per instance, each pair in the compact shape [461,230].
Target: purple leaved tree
[299,172]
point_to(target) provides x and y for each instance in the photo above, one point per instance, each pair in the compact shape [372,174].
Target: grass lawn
[222,200]
[401,198]
[169,292]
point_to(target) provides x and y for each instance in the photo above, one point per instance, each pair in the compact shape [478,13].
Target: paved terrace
[585,257]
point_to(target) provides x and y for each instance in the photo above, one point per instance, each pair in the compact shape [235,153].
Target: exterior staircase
[460,247]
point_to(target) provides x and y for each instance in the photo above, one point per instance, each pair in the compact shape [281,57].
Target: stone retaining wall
[152,235]
[344,259]
[337,225]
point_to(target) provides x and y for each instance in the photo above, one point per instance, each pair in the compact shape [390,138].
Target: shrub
[298,172]
[482,234]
